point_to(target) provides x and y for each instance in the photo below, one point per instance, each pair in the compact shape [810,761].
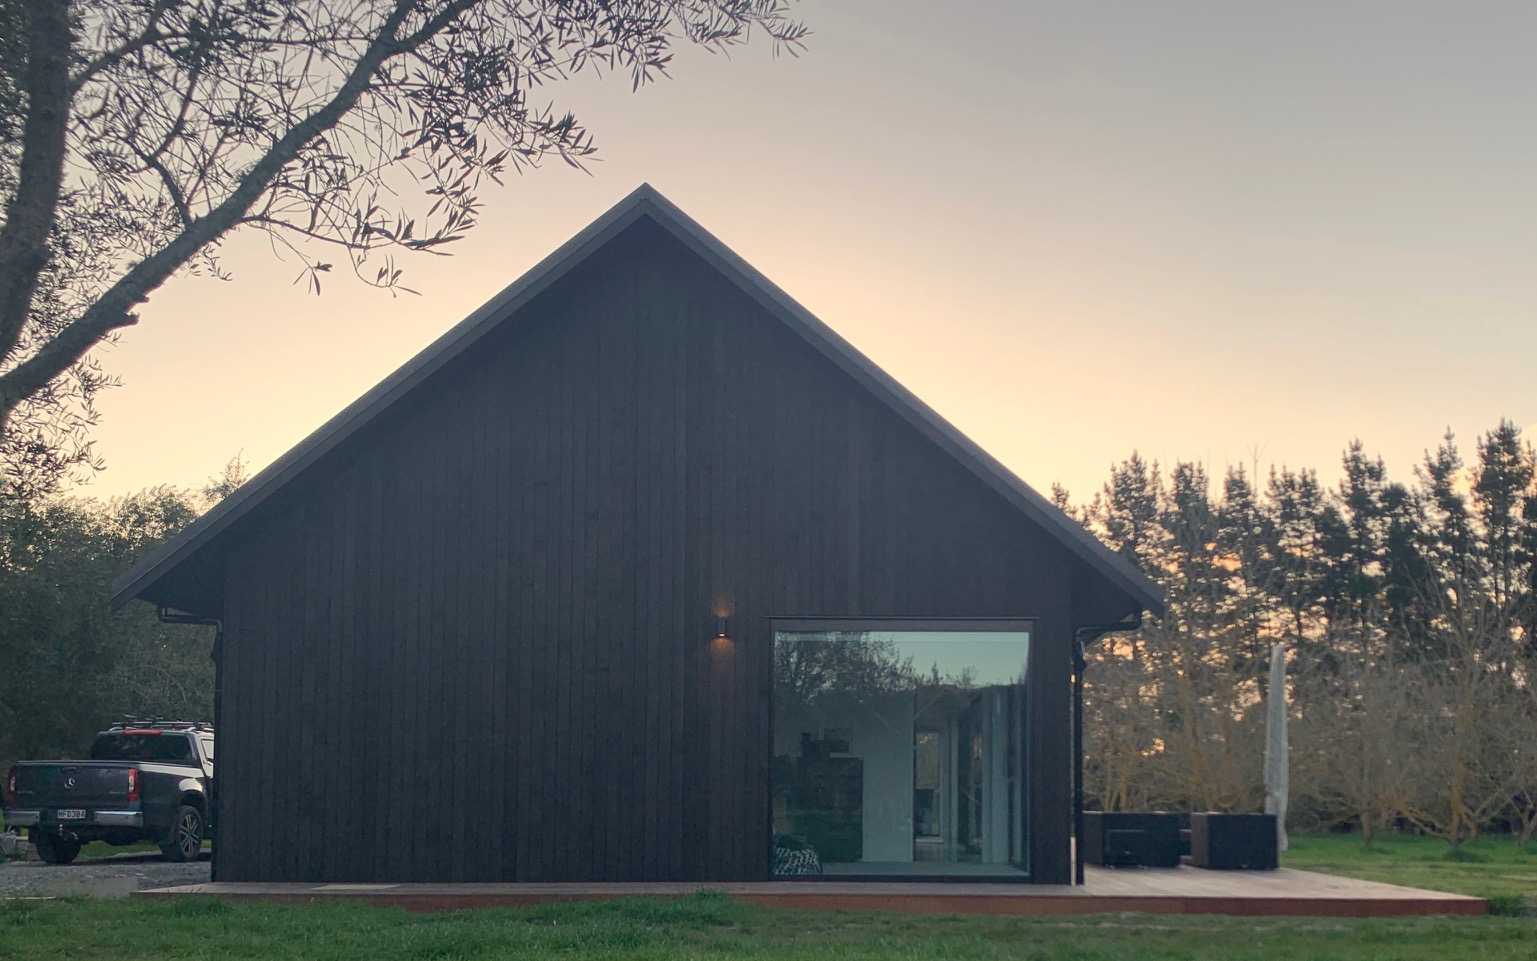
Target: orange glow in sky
[1228,233]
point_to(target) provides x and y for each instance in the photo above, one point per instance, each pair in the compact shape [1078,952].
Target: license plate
[70,814]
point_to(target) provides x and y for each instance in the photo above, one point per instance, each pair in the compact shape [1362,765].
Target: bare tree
[1465,723]
[1354,757]
[1124,742]
[1522,742]
[345,130]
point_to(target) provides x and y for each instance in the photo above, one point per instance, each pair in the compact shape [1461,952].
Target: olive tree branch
[114,309]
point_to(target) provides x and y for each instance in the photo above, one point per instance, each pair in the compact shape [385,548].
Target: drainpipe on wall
[1082,638]
[170,616]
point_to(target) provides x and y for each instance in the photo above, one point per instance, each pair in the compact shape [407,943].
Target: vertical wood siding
[475,644]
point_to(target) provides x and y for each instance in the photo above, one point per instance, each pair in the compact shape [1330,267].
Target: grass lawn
[1496,869]
[711,926]
[714,927]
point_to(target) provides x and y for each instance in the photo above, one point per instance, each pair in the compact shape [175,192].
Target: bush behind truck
[145,780]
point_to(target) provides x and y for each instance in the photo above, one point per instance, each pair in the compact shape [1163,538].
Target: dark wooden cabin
[527,609]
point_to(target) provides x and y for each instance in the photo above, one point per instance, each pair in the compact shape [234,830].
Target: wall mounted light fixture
[722,628]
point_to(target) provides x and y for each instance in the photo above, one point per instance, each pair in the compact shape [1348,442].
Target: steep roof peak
[146,578]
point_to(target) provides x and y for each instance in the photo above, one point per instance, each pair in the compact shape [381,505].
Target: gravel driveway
[109,877]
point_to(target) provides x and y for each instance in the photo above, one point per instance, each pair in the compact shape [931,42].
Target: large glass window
[899,748]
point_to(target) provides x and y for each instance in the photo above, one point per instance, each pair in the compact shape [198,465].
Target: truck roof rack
[165,723]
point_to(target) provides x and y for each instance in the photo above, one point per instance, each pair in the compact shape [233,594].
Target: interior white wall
[883,736]
[995,781]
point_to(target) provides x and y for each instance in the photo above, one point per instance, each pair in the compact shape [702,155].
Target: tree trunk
[30,215]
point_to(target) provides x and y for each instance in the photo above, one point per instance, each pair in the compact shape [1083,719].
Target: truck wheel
[186,840]
[56,848]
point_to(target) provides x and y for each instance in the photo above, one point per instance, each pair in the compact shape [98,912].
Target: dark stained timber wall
[476,642]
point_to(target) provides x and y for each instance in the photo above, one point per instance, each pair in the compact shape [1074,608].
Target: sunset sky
[1227,232]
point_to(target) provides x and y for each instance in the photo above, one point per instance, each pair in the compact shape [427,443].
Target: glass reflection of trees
[857,663]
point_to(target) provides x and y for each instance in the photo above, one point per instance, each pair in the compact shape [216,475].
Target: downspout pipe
[169,615]
[1082,638]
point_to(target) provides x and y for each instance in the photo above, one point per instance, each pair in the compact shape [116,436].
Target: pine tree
[1127,511]
[1293,505]
[1361,501]
[1502,483]
[1406,569]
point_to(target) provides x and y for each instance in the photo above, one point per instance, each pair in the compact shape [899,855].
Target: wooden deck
[1157,891]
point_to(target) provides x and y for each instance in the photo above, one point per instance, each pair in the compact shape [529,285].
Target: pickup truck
[145,780]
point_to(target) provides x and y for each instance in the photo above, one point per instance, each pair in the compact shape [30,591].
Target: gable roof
[147,578]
